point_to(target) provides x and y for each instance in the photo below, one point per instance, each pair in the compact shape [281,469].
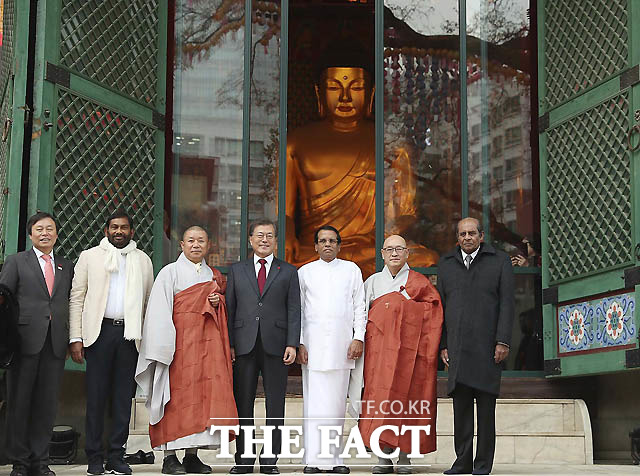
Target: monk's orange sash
[400,367]
[200,375]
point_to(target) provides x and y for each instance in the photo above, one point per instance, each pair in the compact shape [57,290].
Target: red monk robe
[200,375]
[401,360]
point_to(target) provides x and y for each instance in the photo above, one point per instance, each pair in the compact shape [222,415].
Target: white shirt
[115,298]
[333,312]
[42,262]
[268,259]
[473,255]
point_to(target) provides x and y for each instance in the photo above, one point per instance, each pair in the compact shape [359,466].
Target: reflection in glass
[264,110]
[500,84]
[331,140]
[207,125]
[526,351]
[422,126]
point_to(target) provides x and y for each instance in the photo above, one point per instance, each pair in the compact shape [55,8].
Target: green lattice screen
[589,191]
[585,42]
[104,160]
[6,60]
[113,42]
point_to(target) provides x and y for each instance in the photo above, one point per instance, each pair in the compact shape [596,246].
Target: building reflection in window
[207,124]
[264,110]
[422,126]
[501,103]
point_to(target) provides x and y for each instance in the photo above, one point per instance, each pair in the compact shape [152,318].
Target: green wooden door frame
[591,286]
[19,117]
[134,143]
[52,79]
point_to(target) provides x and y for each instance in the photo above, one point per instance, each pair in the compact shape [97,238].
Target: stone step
[548,431]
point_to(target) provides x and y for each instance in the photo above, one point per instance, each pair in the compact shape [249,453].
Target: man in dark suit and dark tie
[40,281]
[476,286]
[263,303]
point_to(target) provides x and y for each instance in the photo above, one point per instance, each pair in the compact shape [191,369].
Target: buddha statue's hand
[291,250]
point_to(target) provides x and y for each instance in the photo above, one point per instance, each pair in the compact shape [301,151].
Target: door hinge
[27,113]
[550,295]
[632,359]
[629,77]
[57,75]
[6,129]
[631,277]
[552,367]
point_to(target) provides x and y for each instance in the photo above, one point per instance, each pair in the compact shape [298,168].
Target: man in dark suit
[40,281]
[476,285]
[263,303]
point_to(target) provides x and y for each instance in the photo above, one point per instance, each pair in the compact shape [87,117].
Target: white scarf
[133,285]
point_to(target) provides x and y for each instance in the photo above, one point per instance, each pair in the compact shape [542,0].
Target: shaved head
[195,243]
[395,253]
[394,240]
[194,228]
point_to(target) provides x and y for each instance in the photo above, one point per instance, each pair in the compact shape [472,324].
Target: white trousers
[325,403]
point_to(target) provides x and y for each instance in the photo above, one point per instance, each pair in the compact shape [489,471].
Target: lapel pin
[60,267]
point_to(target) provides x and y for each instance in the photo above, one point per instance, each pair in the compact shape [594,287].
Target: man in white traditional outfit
[404,324]
[332,336]
[184,366]
[109,295]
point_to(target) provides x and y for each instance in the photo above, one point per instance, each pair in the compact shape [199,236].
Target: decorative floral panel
[603,323]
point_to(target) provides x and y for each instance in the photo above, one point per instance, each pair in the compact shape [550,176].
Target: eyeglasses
[397,249]
[262,236]
[324,241]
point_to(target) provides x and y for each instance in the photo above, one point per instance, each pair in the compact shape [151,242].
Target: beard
[119,244]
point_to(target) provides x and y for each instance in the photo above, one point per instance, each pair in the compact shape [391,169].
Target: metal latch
[6,129]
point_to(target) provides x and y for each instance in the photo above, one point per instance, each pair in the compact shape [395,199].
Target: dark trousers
[111,368]
[33,381]
[245,380]
[463,429]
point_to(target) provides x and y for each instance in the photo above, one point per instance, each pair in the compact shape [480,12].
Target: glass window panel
[265,110]
[331,142]
[422,126]
[526,351]
[500,83]
[207,125]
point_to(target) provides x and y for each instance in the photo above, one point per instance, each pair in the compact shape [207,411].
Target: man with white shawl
[184,366]
[401,356]
[332,334]
[107,303]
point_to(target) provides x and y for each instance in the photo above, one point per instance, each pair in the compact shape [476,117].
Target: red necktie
[48,273]
[262,274]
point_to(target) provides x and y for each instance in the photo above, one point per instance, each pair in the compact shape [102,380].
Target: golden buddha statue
[331,176]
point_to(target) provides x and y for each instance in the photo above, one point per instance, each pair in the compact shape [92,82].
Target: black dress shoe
[311,470]
[239,469]
[480,471]
[193,465]
[171,465]
[19,470]
[117,466]
[269,470]
[95,467]
[457,471]
[382,469]
[340,470]
[42,470]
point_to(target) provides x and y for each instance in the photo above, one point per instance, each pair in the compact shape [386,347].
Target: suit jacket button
[257,318]
[259,304]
